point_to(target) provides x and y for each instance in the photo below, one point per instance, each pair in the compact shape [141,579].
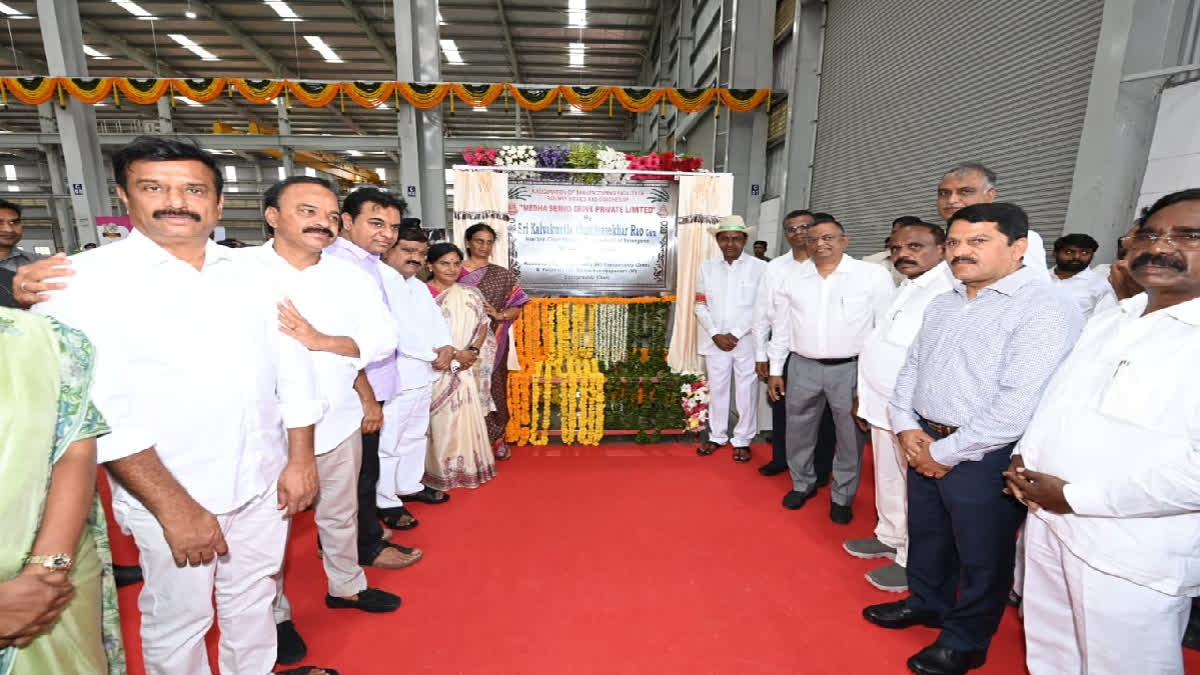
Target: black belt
[943,429]
[835,362]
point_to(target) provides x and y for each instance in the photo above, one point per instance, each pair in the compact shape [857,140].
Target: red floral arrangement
[666,161]
[480,156]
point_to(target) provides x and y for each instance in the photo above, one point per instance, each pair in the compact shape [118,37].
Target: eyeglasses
[826,238]
[792,229]
[1180,240]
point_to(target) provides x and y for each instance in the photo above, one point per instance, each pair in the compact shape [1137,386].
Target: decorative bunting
[691,100]
[314,94]
[638,100]
[477,95]
[259,91]
[743,100]
[142,91]
[89,90]
[31,90]
[533,99]
[424,96]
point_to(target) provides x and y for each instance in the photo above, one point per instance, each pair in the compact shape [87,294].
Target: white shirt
[1035,254]
[192,363]
[764,308]
[339,300]
[1087,287]
[884,258]
[423,329]
[830,317]
[1120,422]
[725,298]
[886,348]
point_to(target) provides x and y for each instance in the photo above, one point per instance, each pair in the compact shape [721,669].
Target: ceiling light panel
[323,49]
[283,10]
[12,13]
[96,54]
[577,13]
[134,9]
[190,45]
[575,50]
[450,49]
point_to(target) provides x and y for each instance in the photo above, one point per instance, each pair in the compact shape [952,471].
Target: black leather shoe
[898,615]
[772,469]
[291,647]
[369,600]
[794,500]
[842,515]
[939,660]
[124,575]
[1191,635]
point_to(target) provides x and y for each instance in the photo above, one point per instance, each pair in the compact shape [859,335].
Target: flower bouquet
[607,158]
[480,156]
[518,155]
[553,157]
[695,404]
[585,157]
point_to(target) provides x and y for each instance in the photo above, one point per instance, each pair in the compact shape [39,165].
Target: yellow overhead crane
[317,159]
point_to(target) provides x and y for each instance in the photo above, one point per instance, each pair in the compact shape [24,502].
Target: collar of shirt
[1082,275]
[929,276]
[1187,312]
[356,250]
[145,249]
[808,268]
[741,260]
[1008,285]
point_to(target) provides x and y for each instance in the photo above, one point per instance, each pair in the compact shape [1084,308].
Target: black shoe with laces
[291,647]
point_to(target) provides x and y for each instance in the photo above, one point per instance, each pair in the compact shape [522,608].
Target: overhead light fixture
[12,13]
[450,50]
[283,10]
[282,173]
[441,21]
[575,50]
[95,54]
[482,108]
[575,110]
[190,14]
[135,9]
[10,172]
[354,153]
[323,49]
[190,45]
[310,172]
[382,106]
[577,13]
[382,173]
[190,102]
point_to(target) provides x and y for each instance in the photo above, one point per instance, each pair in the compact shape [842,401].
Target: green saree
[45,380]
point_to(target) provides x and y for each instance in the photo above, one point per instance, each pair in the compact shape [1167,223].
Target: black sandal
[741,454]
[707,448]
[427,495]
[305,670]
[392,518]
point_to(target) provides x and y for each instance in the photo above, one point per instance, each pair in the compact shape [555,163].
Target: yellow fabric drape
[482,197]
[703,200]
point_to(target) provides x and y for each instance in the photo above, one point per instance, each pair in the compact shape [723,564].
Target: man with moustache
[968,387]
[884,257]
[335,311]
[211,450]
[795,229]
[824,310]
[725,293]
[11,231]
[425,351]
[760,251]
[973,183]
[918,252]
[1108,468]
[1073,273]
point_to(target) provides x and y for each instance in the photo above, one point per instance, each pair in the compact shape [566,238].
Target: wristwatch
[58,562]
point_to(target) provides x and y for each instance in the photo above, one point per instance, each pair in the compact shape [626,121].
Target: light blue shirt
[981,365]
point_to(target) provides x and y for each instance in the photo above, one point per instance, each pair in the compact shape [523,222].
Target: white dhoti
[1081,620]
[336,516]
[891,492]
[726,370]
[176,602]
[402,443]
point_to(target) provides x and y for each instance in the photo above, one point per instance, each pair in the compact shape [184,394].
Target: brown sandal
[741,454]
[707,448]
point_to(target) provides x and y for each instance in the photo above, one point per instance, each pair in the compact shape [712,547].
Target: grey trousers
[810,384]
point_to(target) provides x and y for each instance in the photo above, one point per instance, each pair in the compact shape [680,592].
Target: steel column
[750,68]
[418,59]
[808,36]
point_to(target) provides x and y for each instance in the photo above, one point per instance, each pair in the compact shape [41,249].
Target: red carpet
[617,559]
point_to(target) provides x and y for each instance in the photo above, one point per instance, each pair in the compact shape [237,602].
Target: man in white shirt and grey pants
[824,312]
[212,411]
[725,294]
[1108,468]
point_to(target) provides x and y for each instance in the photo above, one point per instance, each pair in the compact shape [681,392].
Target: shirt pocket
[747,293]
[904,327]
[856,307]
[1135,394]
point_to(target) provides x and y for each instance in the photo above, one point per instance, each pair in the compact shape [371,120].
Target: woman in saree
[460,454]
[504,302]
[58,603]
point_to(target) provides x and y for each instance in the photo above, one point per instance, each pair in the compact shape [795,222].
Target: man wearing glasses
[1108,468]
[795,230]
[824,311]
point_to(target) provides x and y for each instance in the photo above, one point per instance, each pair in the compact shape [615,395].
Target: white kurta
[1120,422]
[1089,288]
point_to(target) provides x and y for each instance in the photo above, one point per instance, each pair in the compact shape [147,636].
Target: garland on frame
[36,90]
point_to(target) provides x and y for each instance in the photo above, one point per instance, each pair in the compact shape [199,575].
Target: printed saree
[499,286]
[460,454]
[45,380]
